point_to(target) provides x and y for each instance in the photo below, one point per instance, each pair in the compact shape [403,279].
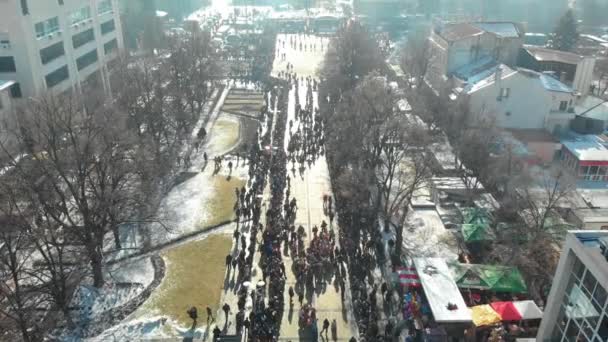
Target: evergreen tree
[566,33]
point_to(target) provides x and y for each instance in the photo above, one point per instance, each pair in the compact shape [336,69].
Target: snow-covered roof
[586,147]
[441,290]
[454,32]
[599,111]
[488,77]
[4,84]
[502,29]
[548,55]
[553,84]
[427,235]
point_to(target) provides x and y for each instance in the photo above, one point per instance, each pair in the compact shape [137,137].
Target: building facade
[572,69]
[56,45]
[577,308]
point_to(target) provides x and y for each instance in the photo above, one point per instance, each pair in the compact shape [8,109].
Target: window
[504,92]
[110,46]
[57,76]
[7,64]
[82,38]
[24,9]
[44,28]
[80,15]
[563,106]
[16,91]
[86,59]
[104,6]
[107,27]
[49,53]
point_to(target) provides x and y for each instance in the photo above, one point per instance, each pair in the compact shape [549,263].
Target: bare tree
[79,170]
[416,56]
[18,300]
[350,57]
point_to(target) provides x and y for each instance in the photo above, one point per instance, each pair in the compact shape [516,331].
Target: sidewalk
[327,301]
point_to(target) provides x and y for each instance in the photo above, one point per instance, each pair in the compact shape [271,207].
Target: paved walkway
[309,192]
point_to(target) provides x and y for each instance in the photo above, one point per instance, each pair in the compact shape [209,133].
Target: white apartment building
[55,45]
[576,309]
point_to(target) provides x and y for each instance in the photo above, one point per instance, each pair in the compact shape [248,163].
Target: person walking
[226,309]
[334,330]
[193,313]
[291,294]
[216,334]
[209,315]
[325,328]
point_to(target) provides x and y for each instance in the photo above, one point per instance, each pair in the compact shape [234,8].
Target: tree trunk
[96,266]
[23,327]
[398,242]
[116,233]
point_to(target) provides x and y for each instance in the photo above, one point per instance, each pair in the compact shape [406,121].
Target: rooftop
[502,29]
[594,241]
[455,32]
[547,81]
[548,55]
[586,147]
[591,215]
[593,107]
[441,290]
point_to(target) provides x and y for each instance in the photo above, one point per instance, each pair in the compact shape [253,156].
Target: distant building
[457,45]
[517,98]
[576,308]
[536,39]
[570,68]
[57,45]
[586,155]
[590,45]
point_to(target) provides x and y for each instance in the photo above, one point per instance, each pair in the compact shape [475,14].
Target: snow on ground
[426,236]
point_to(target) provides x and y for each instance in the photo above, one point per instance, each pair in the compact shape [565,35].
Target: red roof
[506,310]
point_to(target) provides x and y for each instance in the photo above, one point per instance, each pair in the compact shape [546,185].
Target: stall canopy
[528,309]
[484,315]
[507,311]
[473,232]
[488,277]
[476,224]
[441,291]
[407,276]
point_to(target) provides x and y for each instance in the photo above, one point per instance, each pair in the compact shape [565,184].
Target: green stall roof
[488,277]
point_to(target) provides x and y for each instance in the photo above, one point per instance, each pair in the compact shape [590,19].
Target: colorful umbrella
[484,315]
[506,310]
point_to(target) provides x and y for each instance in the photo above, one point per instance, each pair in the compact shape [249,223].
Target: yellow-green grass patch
[194,277]
[220,207]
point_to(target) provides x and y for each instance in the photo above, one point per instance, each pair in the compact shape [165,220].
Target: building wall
[569,273]
[584,75]
[26,46]
[465,51]
[527,106]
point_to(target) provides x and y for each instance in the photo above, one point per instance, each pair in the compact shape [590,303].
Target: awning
[476,224]
[528,309]
[507,311]
[407,276]
[488,277]
[472,232]
[484,315]
[441,291]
